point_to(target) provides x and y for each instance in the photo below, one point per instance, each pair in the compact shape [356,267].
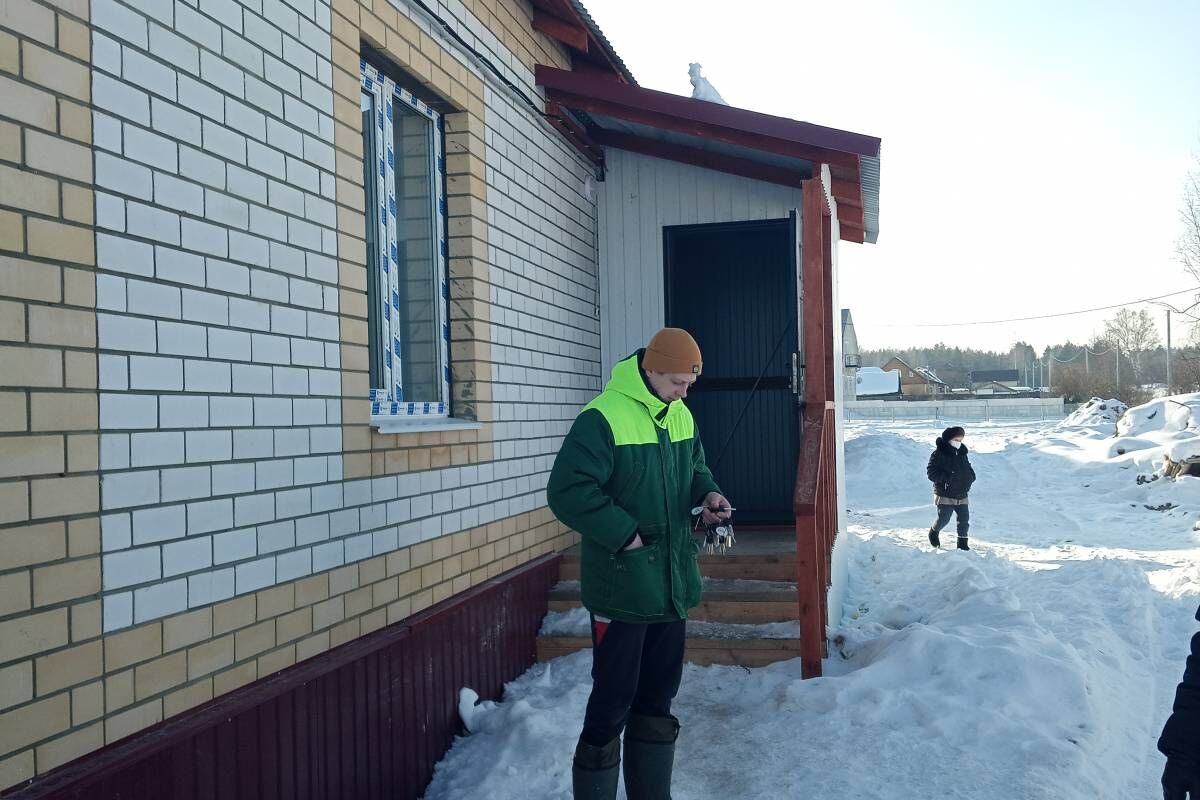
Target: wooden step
[774,602]
[742,652]
[762,567]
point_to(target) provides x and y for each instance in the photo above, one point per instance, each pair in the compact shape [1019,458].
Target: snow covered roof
[875,381]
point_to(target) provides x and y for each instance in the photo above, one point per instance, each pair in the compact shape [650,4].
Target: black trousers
[636,669]
[944,514]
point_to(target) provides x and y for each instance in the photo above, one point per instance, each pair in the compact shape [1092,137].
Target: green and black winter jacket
[633,464]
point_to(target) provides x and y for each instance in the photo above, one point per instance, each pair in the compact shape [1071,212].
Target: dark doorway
[733,286]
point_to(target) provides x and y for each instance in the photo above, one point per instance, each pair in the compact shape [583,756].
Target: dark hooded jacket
[950,471]
[1181,735]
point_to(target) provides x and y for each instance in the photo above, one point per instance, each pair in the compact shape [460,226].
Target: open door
[733,286]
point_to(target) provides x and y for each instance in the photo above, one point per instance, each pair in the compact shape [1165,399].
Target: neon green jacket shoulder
[632,463]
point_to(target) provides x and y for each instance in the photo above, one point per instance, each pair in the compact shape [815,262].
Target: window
[407,288]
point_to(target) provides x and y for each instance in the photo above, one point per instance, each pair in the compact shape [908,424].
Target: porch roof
[601,112]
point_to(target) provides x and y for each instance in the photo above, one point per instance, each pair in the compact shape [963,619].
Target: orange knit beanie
[673,351]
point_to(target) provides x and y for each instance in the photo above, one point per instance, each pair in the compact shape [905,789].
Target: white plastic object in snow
[701,88]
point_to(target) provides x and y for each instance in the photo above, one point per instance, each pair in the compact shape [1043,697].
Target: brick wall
[201,346]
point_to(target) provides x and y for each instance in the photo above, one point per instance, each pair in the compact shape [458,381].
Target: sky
[1033,158]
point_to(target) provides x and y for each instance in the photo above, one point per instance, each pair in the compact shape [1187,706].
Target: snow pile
[874,381]
[1095,413]
[1166,415]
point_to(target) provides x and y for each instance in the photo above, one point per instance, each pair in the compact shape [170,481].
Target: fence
[1045,409]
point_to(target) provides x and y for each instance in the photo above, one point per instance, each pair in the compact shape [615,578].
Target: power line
[1040,316]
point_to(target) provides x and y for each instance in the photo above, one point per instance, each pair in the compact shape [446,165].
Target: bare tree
[1135,332]
[1188,247]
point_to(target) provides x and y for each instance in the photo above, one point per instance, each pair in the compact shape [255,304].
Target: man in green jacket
[627,477]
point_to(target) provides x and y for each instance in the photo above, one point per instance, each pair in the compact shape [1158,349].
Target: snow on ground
[1040,665]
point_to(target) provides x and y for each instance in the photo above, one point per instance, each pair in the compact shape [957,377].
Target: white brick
[152,223]
[322,268]
[241,52]
[276,536]
[287,321]
[121,22]
[293,503]
[229,277]
[160,600]
[299,56]
[255,575]
[266,222]
[320,211]
[180,195]
[148,73]
[229,344]
[153,299]
[246,184]
[209,515]
[125,333]
[160,10]
[281,16]
[120,98]
[263,158]
[174,49]
[262,33]
[131,567]
[114,451]
[207,376]
[253,509]
[272,412]
[296,564]
[319,153]
[303,175]
[106,132]
[284,259]
[222,74]
[251,379]
[323,326]
[182,339]
[284,197]
[309,470]
[232,411]
[110,293]
[264,96]
[127,411]
[181,411]
[122,175]
[325,440]
[343,523]
[206,307]
[209,446]
[232,478]
[312,529]
[358,548]
[227,12]
[270,349]
[178,266]
[185,483]
[121,254]
[110,212]
[202,167]
[248,248]
[272,474]
[327,497]
[151,525]
[150,148]
[118,611]
[226,210]
[282,136]
[148,372]
[224,142]
[187,556]
[327,556]
[384,541]
[210,587]
[249,313]
[156,449]
[324,382]
[106,53]
[290,381]
[309,353]
[205,238]
[116,532]
[197,27]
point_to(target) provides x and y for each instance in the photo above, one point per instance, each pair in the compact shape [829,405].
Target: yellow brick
[312,590]
[29,280]
[58,497]
[12,321]
[83,537]
[23,726]
[398,561]
[85,621]
[205,659]
[76,8]
[132,647]
[87,703]
[83,455]
[60,582]
[399,610]
[31,455]
[312,646]
[118,691]
[160,675]
[130,722]
[28,191]
[254,640]
[12,231]
[328,613]
[31,20]
[78,204]
[14,593]
[14,507]
[16,684]
[12,412]
[32,634]
[275,601]
[234,678]
[70,747]
[58,156]
[74,39]
[346,632]
[74,122]
[68,668]
[10,60]
[185,630]
[81,370]
[10,142]
[233,614]
[79,286]
[292,626]
[64,411]
[17,769]
[56,240]
[343,579]
[358,602]
[276,660]
[26,366]
[188,697]
[63,75]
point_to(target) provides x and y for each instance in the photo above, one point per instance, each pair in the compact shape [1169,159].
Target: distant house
[873,383]
[851,360]
[983,380]
[916,381]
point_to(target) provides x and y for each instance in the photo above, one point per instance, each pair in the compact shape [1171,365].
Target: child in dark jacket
[1180,740]
[950,472]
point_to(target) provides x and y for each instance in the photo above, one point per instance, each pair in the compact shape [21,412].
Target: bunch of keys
[718,537]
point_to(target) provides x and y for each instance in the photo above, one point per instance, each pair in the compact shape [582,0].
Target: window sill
[410,425]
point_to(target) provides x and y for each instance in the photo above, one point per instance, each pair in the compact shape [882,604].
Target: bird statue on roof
[701,88]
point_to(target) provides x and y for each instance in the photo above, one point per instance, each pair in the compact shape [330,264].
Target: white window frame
[390,409]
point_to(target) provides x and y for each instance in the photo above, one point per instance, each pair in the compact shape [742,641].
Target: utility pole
[1118,367]
[1169,389]
[1050,372]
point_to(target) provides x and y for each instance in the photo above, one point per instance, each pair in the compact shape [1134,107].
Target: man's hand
[716,509]
[636,543]
[1181,780]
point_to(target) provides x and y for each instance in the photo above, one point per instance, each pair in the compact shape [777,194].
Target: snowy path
[1040,665]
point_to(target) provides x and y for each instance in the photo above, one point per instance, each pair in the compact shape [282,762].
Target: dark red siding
[368,719]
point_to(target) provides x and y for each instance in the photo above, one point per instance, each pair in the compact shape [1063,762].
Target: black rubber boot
[934,538]
[649,756]
[962,543]
[595,771]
